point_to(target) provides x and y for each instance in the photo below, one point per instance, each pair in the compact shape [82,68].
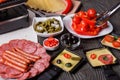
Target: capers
[59,61]
[68,64]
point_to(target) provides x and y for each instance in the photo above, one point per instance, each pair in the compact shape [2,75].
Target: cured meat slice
[1,51]
[3,68]
[40,51]
[6,46]
[29,47]
[106,58]
[33,72]
[13,73]
[13,43]
[21,43]
[39,66]
[25,76]
[44,61]
[5,76]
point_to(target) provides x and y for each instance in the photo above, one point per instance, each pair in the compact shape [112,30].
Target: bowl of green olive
[48,26]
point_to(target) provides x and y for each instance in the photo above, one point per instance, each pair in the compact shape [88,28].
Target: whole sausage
[26,54]
[15,58]
[14,66]
[14,62]
[14,53]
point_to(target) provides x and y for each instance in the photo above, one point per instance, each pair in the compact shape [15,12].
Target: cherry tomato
[93,56]
[91,13]
[109,38]
[66,55]
[83,26]
[116,44]
[76,19]
[81,14]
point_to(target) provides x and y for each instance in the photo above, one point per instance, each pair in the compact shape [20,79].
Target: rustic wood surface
[86,72]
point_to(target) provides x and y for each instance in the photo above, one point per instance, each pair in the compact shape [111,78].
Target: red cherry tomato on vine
[91,13]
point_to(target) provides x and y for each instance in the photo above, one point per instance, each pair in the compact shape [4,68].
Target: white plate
[68,22]
[38,19]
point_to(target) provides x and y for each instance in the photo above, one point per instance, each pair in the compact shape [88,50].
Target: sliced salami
[25,76]
[6,46]
[12,71]
[39,66]
[1,51]
[106,59]
[3,68]
[21,43]
[44,61]
[33,72]
[13,43]
[29,47]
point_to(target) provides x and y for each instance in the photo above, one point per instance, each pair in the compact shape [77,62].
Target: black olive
[68,64]
[59,61]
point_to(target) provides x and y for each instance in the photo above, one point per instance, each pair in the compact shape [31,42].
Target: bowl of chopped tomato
[51,43]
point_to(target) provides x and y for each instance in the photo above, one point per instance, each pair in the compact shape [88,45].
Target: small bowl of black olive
[70,41]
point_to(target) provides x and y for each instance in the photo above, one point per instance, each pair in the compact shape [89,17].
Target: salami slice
[6,46]
[106,59]
[33,72]
[29,47]
[25,76]
[12,71]
[3,68]
[21,43]
[44,61]
[39,66]
[13,43]
[1,51]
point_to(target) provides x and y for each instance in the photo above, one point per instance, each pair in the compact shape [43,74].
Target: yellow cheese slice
[47,5]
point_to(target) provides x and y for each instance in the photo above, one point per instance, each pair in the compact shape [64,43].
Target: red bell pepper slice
[68,7]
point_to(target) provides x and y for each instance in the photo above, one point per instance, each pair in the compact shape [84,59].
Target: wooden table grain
[86,72]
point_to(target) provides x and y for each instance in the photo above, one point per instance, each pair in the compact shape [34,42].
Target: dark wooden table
[86,72]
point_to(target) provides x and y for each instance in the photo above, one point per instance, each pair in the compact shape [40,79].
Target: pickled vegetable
[48,26]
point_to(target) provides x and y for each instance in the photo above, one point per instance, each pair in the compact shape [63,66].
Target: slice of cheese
[95,62]
[47,5]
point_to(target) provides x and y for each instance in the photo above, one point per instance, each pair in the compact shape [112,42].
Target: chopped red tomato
[50,42]
[84,23]
[109,38]
[66,55]
[93,56]
[116,44]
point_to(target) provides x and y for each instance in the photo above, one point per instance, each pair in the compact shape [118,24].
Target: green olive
[68,64]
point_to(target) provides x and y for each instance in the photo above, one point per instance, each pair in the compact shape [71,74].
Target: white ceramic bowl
[51,48]
[41,19]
